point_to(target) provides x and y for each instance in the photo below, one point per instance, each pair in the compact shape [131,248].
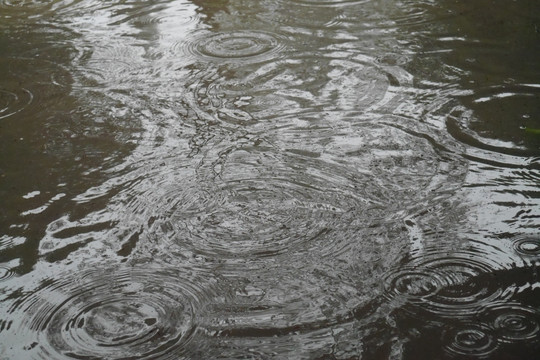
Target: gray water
[269,179]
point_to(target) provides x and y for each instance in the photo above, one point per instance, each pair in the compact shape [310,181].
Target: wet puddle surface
[302,179]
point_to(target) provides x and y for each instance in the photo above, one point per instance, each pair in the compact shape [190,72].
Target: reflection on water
[307,179]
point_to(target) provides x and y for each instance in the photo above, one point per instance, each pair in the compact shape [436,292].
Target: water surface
[270,179]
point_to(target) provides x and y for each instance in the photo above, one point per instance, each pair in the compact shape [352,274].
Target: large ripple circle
[254,202]
[130,312]
[337,82]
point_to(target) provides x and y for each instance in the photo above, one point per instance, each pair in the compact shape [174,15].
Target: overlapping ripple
[396,154]
[513,322]
[22,4]
[349,19]
[289,303]
[310,183]
[336,81]
[260,203]
[451,286]
[290,163]
[471,341]
[139,312]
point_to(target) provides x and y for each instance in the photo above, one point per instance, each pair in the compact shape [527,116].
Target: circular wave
[413,285]
[452,286]
[513,322]
[474,340]
[243,46]
[28,83]
[138,312]
[307,182]
[527,245]
[330,3]
[260,204]
[289,302]
[5,273]
[338,82]
[12,103]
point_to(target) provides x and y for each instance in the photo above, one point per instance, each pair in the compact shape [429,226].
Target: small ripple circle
[527,245]
[237,45]
[473,341]
[12,102]
[413,284]
[5,273]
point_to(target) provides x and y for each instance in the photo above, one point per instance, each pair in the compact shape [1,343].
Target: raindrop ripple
[527,245]
[474,340]
[513,322]
[237,46]
[12,102]
[453,286]
[142,312]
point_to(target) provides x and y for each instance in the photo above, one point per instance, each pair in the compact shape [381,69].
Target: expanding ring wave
[527,245]
[267,206]
[142,312]
[13,102]
[513,322]
[237,46]
[474,340]
[455,286]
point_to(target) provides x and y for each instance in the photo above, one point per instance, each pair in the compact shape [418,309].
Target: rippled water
[305,179]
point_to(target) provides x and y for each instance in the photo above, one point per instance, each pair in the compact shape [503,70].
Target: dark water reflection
[307,179]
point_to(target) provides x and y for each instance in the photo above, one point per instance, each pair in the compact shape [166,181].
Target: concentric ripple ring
[455,286]
[528,246]
[513,322]
[141,312]
[238,45]
[471,341]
